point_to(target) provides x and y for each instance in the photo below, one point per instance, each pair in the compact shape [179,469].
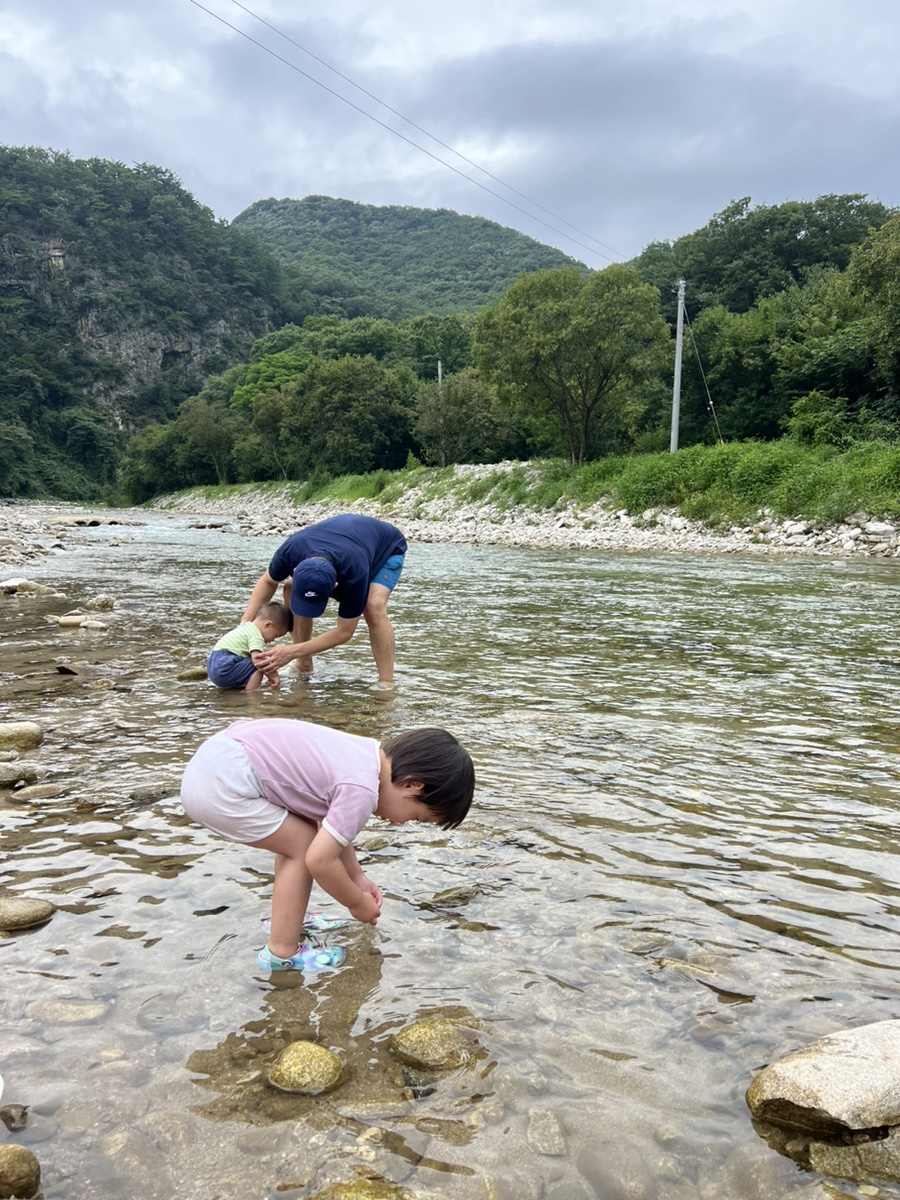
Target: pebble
[24,912]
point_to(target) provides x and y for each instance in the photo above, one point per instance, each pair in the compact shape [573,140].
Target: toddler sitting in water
[232,661]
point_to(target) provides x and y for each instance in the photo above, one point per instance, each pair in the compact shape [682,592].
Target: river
[681,863]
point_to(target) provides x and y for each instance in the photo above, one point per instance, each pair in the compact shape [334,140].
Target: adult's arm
[262,593]
[325,863]
[280,656]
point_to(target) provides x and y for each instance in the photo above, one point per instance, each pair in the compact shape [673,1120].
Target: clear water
[681,864]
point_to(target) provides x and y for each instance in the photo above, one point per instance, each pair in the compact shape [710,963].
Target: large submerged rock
[435,1045]
[305,1069]
[363,1189]
[20,735]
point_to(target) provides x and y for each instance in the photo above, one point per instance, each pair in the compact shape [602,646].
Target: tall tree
[454,420]
[573,352]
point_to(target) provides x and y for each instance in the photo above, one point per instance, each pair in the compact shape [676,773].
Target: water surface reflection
[680,865]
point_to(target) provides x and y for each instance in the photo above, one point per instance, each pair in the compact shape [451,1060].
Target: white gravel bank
[567,527]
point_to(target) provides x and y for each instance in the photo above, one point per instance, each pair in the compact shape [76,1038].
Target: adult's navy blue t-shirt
[357,546]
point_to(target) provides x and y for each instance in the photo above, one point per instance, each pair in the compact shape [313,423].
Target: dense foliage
[576,358]
[322,338]
[119,293]
[794,317]
[394,261]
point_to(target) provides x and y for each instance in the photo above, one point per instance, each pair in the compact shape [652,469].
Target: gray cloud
[631,138]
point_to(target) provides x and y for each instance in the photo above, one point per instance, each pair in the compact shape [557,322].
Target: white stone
[849,1079]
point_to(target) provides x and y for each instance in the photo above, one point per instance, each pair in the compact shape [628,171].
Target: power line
[715,419]
[421,129]
[397,133]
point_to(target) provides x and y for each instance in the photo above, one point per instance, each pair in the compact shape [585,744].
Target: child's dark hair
[444,767]
[278,614]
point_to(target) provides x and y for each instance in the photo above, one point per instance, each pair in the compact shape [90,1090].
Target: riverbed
[681,863]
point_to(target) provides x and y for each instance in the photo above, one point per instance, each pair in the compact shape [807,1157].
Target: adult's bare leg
[381,631]
[301,631]
[293,883]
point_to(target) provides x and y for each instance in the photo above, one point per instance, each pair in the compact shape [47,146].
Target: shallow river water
[681,863]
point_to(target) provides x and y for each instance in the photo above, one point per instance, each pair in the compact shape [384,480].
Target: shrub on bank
[725,484]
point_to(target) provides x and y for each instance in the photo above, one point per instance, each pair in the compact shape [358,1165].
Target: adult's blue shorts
[229,670]
[388,574]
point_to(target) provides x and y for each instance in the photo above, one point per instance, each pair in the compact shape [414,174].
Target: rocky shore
[568,526]
[29,532]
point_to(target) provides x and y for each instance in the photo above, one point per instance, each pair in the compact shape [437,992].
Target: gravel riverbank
[568,526]
[32,531]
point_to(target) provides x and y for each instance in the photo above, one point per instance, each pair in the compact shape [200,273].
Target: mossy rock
[192,675]
[363,1189]
[20,1172]
[305,1069]
[20,735]
[432,1045]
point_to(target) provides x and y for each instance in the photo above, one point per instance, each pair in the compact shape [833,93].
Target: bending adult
[355,559]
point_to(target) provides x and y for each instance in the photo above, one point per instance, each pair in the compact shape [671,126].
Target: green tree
[17,473]
[430,339]
[205,435]
[346,416]
[874,274]
[747,253]
[454,420]
[573,353]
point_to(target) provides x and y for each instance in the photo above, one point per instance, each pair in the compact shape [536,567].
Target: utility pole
[676,386]
[440,374]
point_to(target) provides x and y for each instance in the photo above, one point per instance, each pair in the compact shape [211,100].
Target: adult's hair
[278,614]
[434,758]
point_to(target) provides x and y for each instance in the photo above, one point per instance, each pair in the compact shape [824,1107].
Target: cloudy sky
[622,123]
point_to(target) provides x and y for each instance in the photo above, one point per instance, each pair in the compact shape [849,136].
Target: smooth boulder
[20,735]
[843,1082]
[431,1045]
[23,912]
[20,1172]
[305,1069]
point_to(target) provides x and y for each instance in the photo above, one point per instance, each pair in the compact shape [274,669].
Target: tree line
[795,322]
[145,346]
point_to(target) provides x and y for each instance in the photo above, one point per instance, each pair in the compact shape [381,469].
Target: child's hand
[366,885]
[367,909]
[274,679]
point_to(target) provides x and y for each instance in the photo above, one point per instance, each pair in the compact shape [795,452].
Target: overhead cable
[397,133]
[421,129]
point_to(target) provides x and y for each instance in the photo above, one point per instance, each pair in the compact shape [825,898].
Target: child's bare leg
[293,883]
[253,683]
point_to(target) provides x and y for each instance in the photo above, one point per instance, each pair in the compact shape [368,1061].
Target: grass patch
[719,485]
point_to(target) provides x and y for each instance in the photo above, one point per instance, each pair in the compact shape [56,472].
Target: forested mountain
[394,261]
[119,295]
[146,346]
